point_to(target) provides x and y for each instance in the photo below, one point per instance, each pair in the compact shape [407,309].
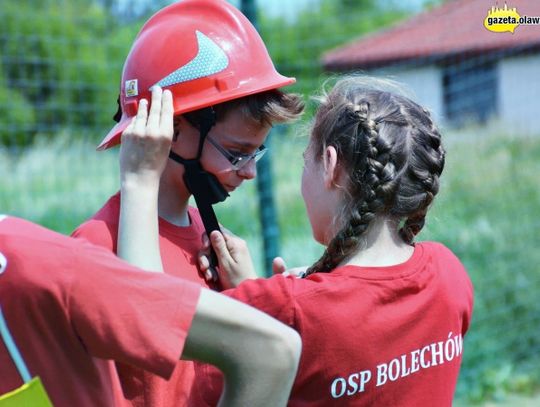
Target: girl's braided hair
[390,150]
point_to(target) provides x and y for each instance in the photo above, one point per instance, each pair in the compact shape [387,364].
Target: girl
[381,317]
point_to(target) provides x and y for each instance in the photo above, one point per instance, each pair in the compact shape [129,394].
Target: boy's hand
[235,264]
[147,140]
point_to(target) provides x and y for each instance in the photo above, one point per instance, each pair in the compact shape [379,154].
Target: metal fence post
[267,209]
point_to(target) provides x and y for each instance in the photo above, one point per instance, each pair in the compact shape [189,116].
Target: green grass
[487,212]
[57,184]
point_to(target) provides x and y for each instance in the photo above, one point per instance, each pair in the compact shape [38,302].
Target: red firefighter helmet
[205,51]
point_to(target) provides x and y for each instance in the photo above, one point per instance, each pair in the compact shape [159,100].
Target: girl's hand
[280,267]
[147,140]
[235,264]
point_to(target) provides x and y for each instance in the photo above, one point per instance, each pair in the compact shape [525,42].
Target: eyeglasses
[238,160]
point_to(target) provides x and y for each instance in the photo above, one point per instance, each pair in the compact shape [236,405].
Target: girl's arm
[143,154]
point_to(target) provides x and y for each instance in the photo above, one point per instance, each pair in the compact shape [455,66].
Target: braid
[372,174]
[339,247]
[412,226]
[426,163]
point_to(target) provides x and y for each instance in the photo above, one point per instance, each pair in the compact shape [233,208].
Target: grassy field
[487,212]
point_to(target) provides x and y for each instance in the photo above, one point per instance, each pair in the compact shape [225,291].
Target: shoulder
[12,227]
[42,261]
[109,212]
[259,287]
[274,295]
[450,269]
[102,228]
[17,233]
[445,258]
[98,232]
[34,241]
[437,248]
[41,258]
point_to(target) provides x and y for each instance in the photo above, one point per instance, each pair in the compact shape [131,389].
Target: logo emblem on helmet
[3,263]
[132,88]
[210,59]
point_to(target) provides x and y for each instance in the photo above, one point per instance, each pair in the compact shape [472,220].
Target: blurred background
[60,67]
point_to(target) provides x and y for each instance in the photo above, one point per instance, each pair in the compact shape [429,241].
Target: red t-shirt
[70,306]
[372,336]
[179,247]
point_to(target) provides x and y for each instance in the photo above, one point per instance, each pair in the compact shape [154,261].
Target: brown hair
[391,151]
[265,108]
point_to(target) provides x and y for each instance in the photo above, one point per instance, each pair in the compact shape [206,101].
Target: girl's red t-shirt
[382,336]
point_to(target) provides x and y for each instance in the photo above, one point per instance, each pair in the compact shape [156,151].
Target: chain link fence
[60,66]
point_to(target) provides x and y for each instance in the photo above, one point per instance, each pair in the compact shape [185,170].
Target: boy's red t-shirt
[179,247]
[372,336]
[71,305]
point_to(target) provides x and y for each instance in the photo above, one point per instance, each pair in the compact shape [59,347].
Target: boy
[224,101]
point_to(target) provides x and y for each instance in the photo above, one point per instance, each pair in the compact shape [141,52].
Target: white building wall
[425,83]
[519,93]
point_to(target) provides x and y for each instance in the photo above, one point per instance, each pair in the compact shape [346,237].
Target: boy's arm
[257,354]
[143,154]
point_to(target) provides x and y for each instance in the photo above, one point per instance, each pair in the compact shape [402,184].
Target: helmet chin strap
[205,187]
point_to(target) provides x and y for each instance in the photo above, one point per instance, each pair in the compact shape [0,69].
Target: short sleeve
[97,232]
[102,228]
[273,296]
[134,317]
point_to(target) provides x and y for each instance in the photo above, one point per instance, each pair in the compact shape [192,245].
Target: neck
[382,246]
[173,202]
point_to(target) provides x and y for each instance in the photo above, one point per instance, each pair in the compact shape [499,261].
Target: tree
[57,68]
[297,46]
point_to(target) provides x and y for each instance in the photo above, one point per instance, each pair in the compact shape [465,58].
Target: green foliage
[296,46]
[60,68]
[57,68]
[487,213]
[57,183]
[16,113]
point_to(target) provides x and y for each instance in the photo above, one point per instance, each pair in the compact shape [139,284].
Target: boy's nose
[249,171]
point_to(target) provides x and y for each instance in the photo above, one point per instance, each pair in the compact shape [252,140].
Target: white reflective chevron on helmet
[210,59]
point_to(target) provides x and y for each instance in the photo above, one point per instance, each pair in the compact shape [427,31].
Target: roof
[456,27]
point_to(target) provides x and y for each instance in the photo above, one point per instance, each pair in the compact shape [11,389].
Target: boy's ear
[182,132]
[331,169]
[178,124]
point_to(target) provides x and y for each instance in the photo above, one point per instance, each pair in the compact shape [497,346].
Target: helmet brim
[276,81]
[114,135]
